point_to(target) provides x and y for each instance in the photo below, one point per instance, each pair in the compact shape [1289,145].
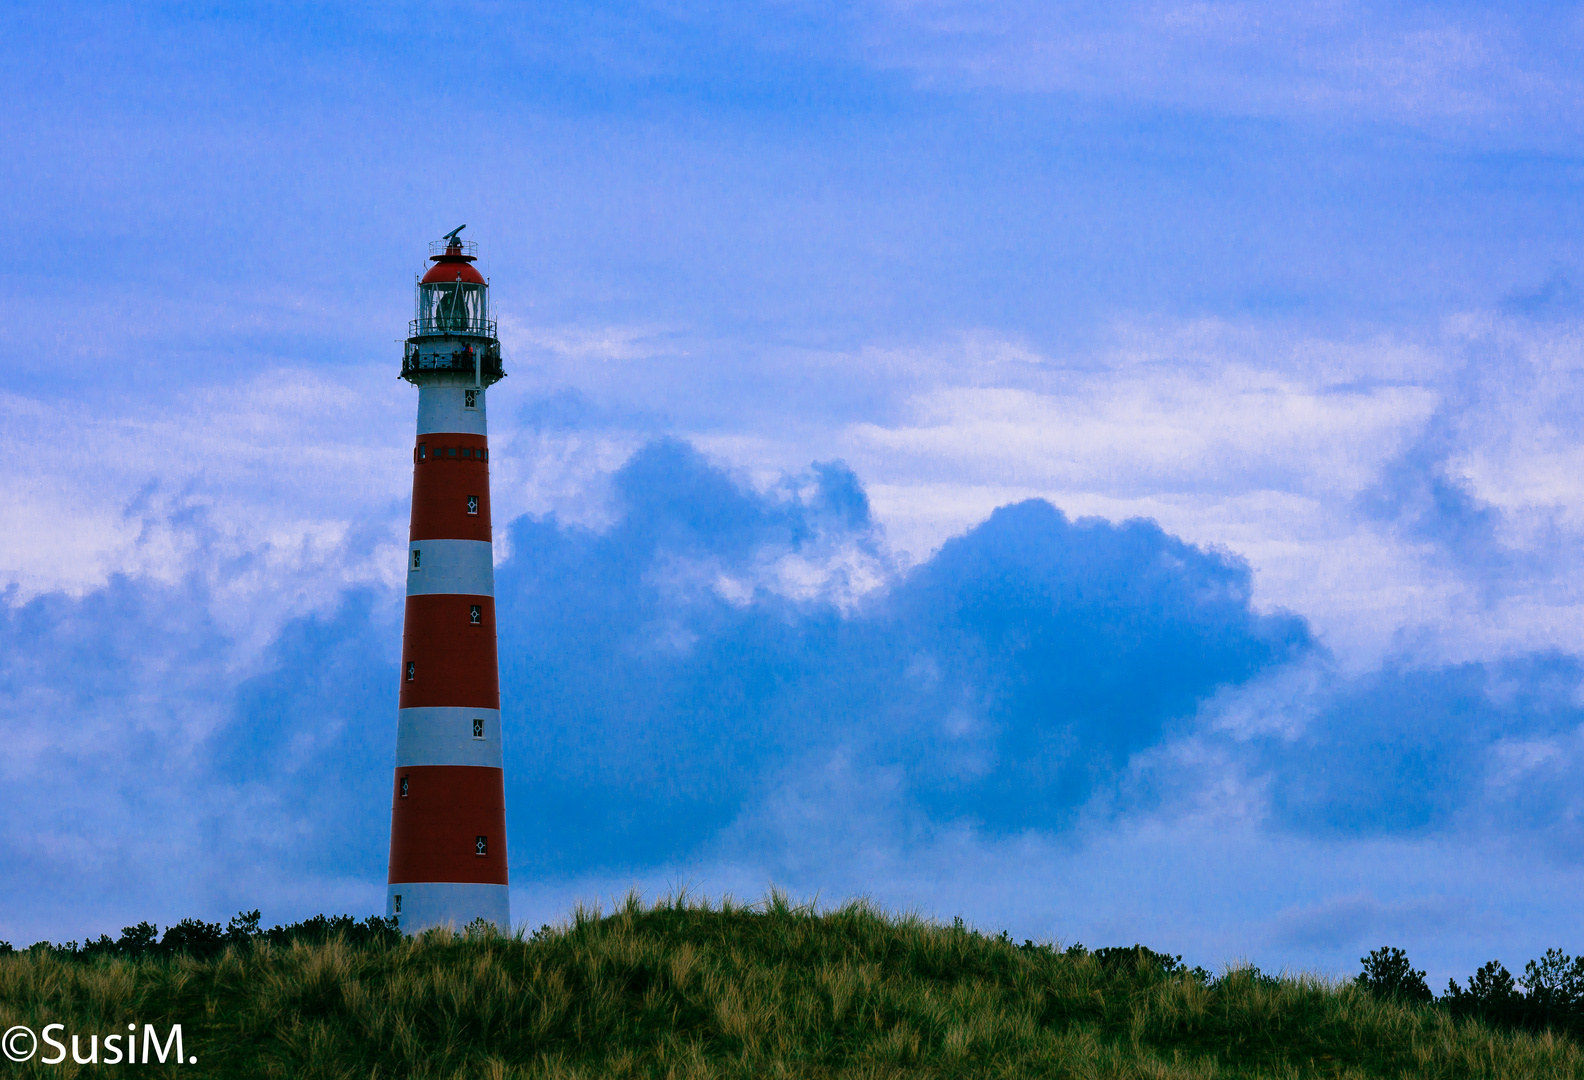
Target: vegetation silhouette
[684,987]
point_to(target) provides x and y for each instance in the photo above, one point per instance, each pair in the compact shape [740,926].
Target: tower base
[446,903]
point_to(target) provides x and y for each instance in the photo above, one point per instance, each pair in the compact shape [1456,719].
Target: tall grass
[686,989]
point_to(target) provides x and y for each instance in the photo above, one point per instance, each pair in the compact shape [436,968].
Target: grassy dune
[681,989]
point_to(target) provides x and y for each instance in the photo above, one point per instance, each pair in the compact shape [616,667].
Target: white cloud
[1265,445]
[278,493]
[1487,69]
[1239,436]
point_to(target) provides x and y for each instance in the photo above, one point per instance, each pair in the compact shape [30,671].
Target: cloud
[642,664]
[276,487]
[154,763]
[1420,494]
[1443,67]
[1075,645]
[665,677]
[1036,676]
[732,679]
[1555,298]
[1337,923]
[303,763]
[1406,750]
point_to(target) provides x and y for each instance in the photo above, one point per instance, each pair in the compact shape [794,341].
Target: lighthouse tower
[448,802]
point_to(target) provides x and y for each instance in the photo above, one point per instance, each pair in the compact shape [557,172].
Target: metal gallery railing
[445,324]
[454,247]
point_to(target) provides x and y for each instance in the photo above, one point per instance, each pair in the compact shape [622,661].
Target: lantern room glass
[454,307]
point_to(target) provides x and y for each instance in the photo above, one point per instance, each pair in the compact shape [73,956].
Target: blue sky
[1111,472]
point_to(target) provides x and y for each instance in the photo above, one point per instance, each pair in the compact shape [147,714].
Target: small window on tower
[478,728]
[423,451]
[475,615]
[412,670]
[404,787]
[450,451]
[481,845]
[470,399]
[416,555]
[396,907]
[484,454]
[472,504]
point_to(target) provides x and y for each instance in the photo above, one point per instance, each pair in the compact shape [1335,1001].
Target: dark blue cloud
[1554,299]
[1010,677]
[1408,750]
[1076,645]
[311,741]
[1420,495]
[642,706]
[99,711]
[710,655]
[142,775]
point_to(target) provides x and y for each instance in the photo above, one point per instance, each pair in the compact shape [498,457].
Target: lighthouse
[448,800]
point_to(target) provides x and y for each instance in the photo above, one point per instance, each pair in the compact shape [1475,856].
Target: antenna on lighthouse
[451,238]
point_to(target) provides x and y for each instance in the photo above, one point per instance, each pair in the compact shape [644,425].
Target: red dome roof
[452,267]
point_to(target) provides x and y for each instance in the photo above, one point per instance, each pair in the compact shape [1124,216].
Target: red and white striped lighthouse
[448,802]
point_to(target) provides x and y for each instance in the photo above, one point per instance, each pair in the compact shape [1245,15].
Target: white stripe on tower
[445,409]
[448,736]
[450,566]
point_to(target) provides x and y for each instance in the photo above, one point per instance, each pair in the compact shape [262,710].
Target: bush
[194,937]
[373,931]
[1131,958]
[1554,998]
[204,940]
[1556,982]
[244,926]
[1491,996]
[1549,996]
[1388,974]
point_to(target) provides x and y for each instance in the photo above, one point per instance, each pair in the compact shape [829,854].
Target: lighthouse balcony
[426,356]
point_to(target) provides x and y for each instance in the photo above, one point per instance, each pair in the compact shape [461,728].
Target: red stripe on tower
[448,803]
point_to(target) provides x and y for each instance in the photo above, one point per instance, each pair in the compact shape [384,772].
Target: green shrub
[202,940]
[1552,995]
[1388,974]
